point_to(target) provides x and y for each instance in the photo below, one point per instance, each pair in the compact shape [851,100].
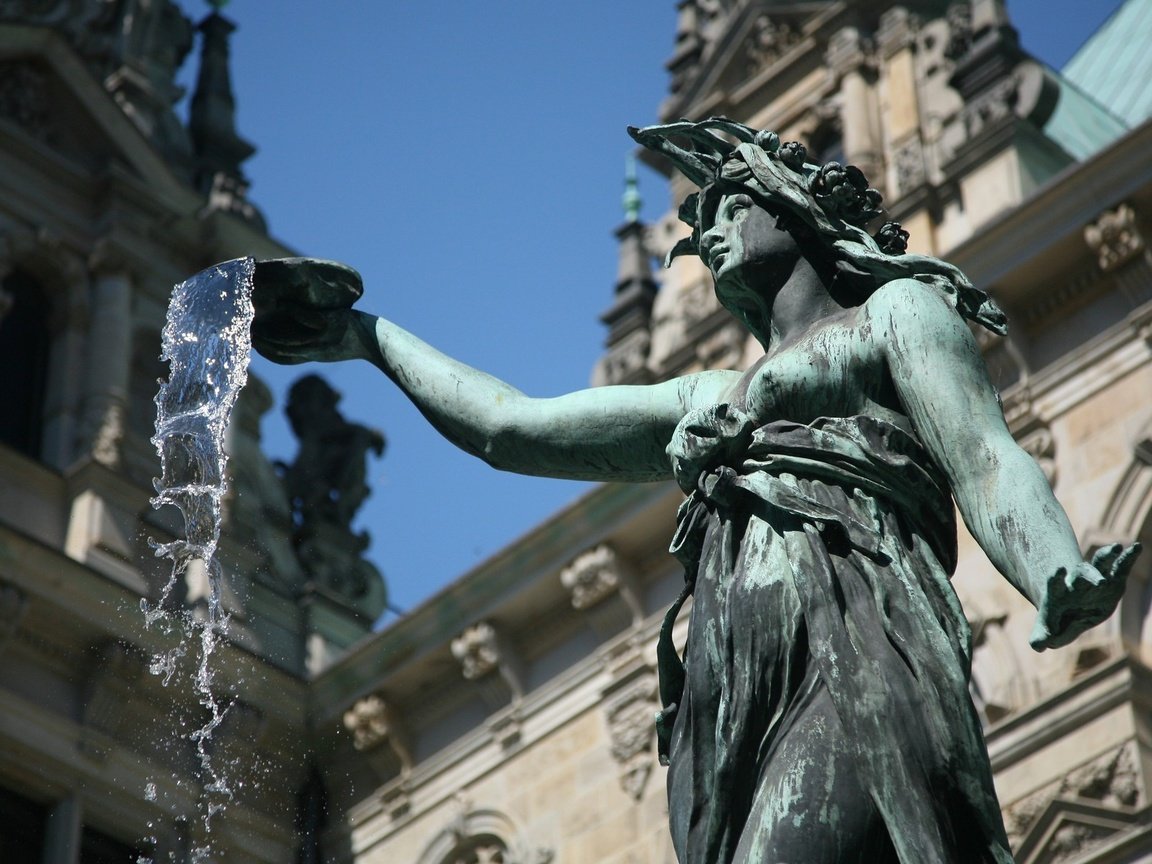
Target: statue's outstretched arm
[1001,493]
[605,433]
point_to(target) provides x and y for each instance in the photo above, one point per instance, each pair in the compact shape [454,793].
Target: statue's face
[750,258]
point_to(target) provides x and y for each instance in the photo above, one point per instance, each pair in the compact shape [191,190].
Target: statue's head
[827,209]
[311,404]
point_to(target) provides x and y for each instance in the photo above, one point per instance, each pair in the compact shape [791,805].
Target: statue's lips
[716,256]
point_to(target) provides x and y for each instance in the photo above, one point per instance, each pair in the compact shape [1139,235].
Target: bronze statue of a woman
[820,712]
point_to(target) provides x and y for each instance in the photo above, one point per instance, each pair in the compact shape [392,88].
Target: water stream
[206,342]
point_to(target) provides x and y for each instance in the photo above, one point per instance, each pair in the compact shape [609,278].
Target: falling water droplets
[207,342]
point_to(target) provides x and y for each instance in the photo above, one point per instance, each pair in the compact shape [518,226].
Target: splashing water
[206,341]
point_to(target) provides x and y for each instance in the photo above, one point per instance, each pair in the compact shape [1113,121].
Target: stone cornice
[1058,210]
[1122,682]
[540,555]
[473,755]
[52,580]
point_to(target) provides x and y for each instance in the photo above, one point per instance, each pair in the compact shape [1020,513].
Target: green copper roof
[1080,124]
[1115,64]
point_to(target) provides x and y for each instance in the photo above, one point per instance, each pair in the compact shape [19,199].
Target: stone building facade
[508,720]
[107,199]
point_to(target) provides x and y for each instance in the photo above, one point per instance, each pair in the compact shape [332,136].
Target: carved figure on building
[1115,238]
[826,668]
[326,485]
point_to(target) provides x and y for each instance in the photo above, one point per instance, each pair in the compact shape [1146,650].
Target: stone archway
[1128,518]
[481,836]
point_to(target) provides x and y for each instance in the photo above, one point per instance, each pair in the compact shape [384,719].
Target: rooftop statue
[820,711]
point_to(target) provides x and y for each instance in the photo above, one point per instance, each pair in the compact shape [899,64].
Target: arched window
[485,849]
[827,145]
[481,837]
[24,343]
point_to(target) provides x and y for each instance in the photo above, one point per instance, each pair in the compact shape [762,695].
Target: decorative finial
[631,199]
[217,5]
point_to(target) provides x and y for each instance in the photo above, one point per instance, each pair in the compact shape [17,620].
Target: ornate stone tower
[107,199]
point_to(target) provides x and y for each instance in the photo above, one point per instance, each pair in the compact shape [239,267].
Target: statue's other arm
[605,433]
[1003,496]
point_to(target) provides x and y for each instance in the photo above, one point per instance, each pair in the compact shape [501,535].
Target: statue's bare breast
[837,370]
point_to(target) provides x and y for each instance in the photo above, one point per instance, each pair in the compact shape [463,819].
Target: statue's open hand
[1076,600]
[304,310]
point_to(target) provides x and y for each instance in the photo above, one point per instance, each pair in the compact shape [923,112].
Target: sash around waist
[814,472]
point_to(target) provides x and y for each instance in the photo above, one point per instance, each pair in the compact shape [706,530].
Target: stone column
[106,374]
[62,844]
[908,173]
[850,60]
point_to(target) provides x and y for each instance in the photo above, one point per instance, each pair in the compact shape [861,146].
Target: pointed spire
[218,147]
[629,318]
[631,200]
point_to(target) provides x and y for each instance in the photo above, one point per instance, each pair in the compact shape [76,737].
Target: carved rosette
[477,650]
[1115,238]
[631,729]
[593,576]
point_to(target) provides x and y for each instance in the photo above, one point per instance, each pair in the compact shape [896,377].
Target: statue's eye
[738,203]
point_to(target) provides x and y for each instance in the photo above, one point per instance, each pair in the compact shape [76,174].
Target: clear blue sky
[468,158]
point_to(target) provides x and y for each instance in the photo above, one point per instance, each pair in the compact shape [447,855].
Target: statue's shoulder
[910,307]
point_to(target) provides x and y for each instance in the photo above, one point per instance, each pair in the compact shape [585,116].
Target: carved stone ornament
[477,650]
[627,361]
[631,729]
[908,161]
[959,18]
[109,434]
[368,721]
[996,103]
[1111,781]
[592,576]
[481,836]
[1115,238]
[771,38]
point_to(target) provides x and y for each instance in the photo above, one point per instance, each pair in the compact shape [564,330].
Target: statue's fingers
[1105,557]
[1123,564]
[1060,585]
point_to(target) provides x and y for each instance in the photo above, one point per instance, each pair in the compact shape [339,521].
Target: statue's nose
[709,239]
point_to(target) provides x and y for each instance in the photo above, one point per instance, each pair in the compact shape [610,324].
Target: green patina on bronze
[820,710]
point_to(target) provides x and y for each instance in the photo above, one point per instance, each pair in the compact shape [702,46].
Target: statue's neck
[797,307]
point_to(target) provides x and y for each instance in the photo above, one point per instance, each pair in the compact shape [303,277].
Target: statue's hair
[832,201]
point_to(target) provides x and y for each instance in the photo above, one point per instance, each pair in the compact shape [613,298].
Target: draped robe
[823,691]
